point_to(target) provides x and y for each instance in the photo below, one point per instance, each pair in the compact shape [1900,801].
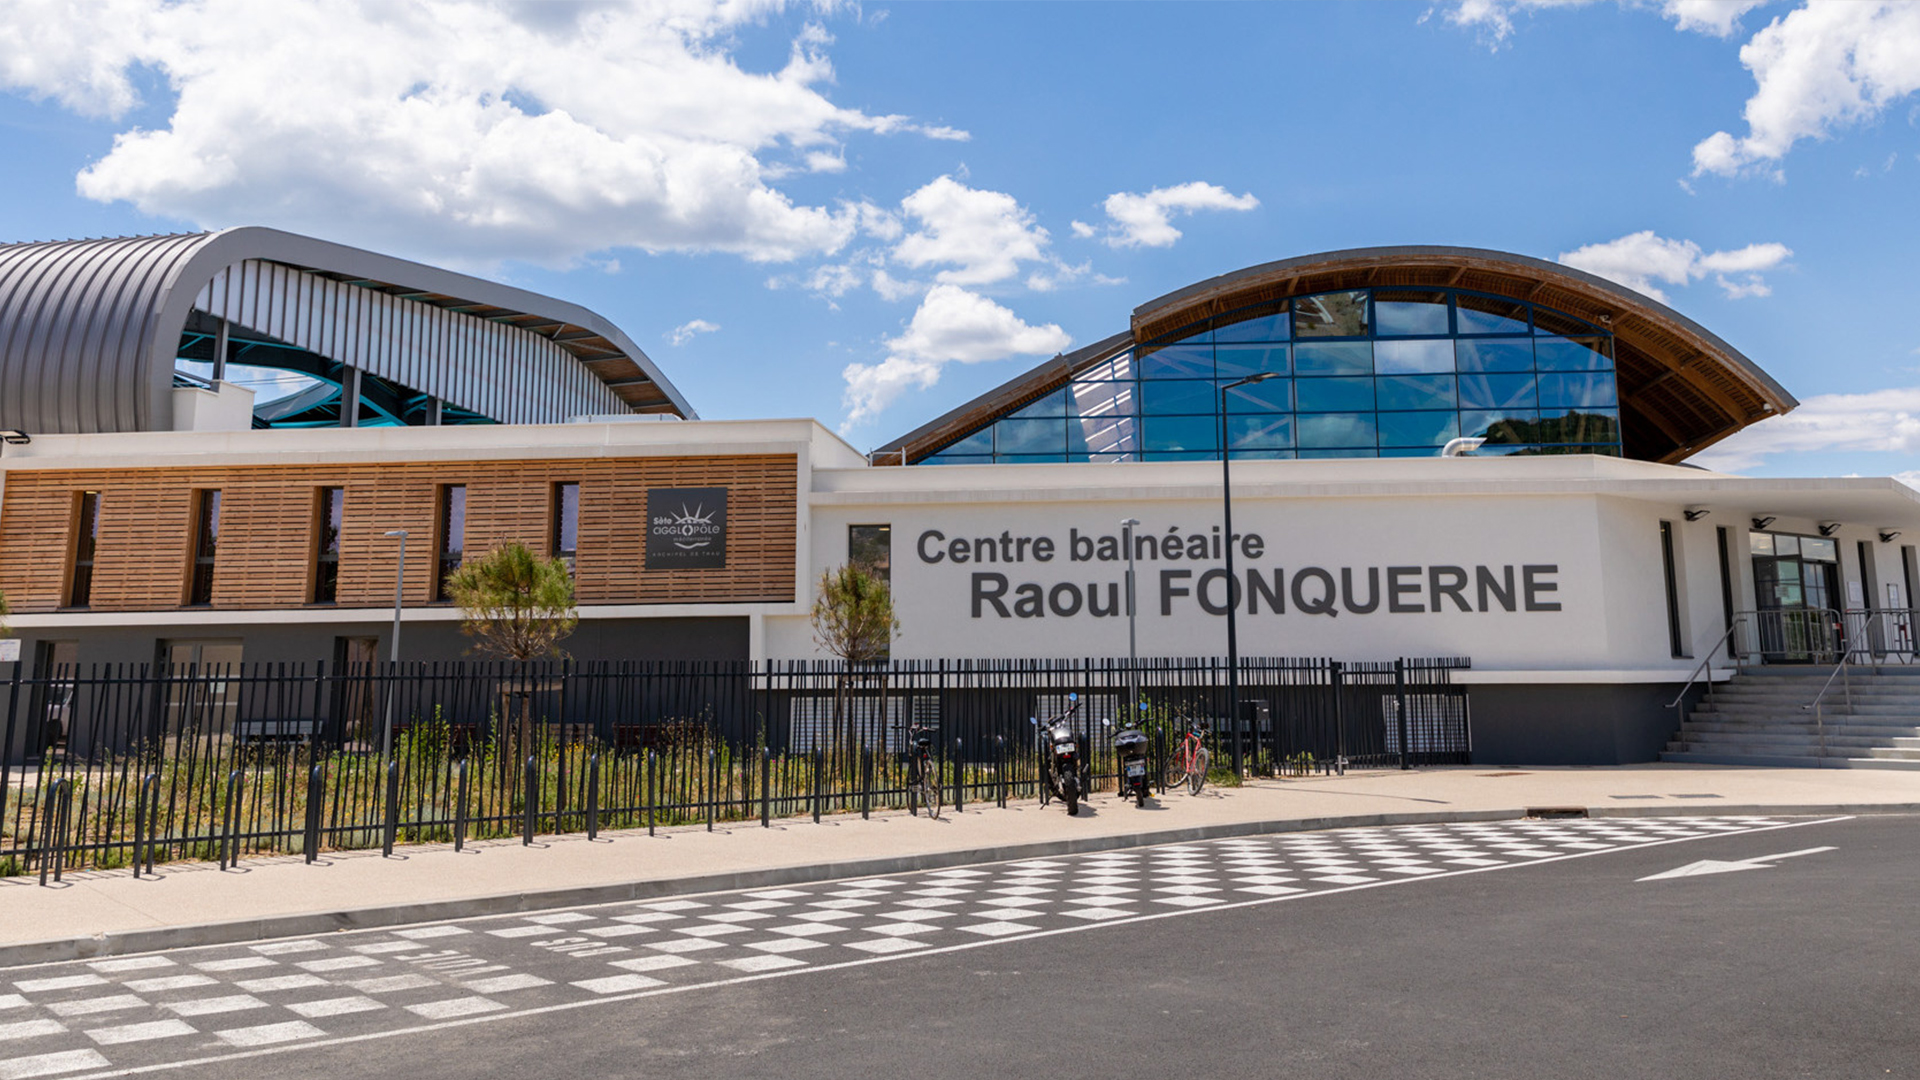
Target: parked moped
[1130,746]
[1062,759]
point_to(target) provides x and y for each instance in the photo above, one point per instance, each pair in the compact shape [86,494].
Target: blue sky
[871,213]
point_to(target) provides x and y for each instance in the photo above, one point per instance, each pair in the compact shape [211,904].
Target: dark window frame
[448,556]
[1676,634]
[205,557]
[329,521]
[557,542]
[86,549]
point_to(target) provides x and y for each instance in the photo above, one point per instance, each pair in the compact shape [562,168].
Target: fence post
[653,778]
[390,828]
[153,818]
[1400,699]
[460,811]
[766,788]
[866,783]
[959,779]
[1336,673]
[530,805]
[1000,767]
[139,817]
[593,798]
[316,797]
[713,788]
[816,785]
[230,840]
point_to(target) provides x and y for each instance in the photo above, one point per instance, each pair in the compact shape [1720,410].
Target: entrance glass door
[1796,587]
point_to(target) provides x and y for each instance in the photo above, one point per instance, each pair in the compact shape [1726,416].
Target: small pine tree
[516,605]
[853,616]
[853,619]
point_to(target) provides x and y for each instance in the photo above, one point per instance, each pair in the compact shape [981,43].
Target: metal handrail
[1707,663]
[1846,683]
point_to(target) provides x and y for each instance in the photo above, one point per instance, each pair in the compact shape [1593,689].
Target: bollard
[460,810]
[1400,703]
[153,818]
[593,798]
[766,788]
[653,778]
[866,784]
[959,779]
[529,806]
[713,788]
[392,824]
[316,788]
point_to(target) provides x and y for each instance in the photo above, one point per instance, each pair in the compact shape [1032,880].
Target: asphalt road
[1498,950]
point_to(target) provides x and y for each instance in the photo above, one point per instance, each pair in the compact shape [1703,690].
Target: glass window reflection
[1412,357]
[1497,392]
[1409,313]
[1590,389]
[1332,430]
[1178,362]
[1418,428]
[1334,395]
[1571,354]
[1416,392]
[1234,361]
[1334,358]
[1340,314]
[1169,398]
[1477,314]
[1272,395]
[1493,354]
[1267,322]
[1192,433]
[1030,437]
[1269,431]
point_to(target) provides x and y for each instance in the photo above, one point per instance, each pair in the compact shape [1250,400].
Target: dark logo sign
[686,528]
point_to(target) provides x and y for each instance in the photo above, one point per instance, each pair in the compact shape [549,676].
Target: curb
[122,943]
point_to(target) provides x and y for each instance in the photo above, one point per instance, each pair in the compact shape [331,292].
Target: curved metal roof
[1681,387]
[89,329]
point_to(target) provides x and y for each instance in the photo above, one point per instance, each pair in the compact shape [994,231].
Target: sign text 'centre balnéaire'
[1258,589]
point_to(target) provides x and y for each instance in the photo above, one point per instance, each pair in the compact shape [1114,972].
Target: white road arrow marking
[1713,866]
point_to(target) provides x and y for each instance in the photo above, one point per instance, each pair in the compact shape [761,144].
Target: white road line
[917,949]
[29,1029]
[50,1064]
[128,1033]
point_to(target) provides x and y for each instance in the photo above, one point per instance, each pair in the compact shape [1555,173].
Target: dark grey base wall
[719,638]
[1605,724]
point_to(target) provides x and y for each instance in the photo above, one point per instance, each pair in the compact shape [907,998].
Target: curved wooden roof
[1682,388]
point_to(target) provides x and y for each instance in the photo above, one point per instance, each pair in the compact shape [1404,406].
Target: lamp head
[1695,513]
[1760,523]
[15,438]
[1828,528]
[1888,536]
[399,533]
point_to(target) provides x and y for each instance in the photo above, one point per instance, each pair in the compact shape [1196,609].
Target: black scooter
[1130,746]
[1062,759]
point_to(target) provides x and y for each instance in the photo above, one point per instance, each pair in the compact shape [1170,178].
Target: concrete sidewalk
[100,913]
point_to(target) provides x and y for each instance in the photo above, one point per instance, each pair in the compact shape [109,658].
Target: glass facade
[1380,372]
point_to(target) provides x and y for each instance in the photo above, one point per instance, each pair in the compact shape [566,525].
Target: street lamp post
[1133,649]
[393,654]
[1233,584]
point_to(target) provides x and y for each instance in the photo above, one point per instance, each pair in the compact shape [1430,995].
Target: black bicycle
[923,772]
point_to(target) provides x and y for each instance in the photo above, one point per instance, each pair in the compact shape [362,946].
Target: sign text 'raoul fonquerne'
[686,528]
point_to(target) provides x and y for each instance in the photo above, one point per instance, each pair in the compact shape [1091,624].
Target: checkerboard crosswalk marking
[122,1011]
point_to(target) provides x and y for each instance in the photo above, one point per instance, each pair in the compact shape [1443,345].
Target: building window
[566,522]
[86,539]
[326,562]
[871,546]
[453,536]
[206,544]
[1676,631]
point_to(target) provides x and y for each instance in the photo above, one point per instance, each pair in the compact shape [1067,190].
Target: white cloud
[1495,17]
[685,331]
[982,236]
[1823,66]
[455,131]
[1638,260]
[1146,220]
[1881,420]
[951,325]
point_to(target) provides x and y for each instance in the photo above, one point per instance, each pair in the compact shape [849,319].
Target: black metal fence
[113,766]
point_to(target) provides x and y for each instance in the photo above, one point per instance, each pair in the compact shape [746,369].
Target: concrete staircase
[1756,718]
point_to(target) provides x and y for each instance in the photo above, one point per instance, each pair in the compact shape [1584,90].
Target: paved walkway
[108,912]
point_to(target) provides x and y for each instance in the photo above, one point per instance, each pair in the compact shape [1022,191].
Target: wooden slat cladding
[269,514]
